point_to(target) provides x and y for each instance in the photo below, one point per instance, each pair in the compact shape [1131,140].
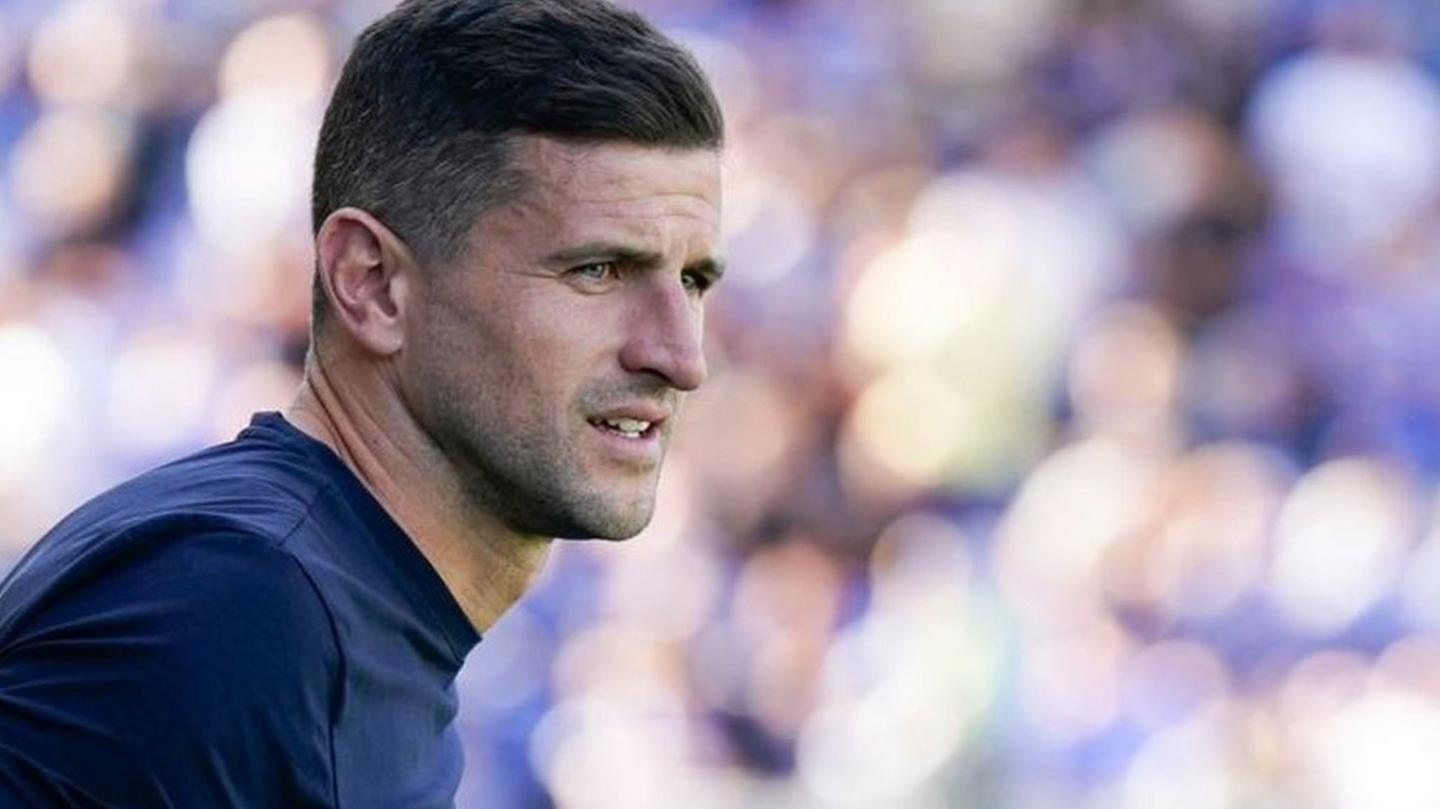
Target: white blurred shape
[1378,753]
[1317,687]
[1410,663]
[1124,370]
[1053,252]
[1212,547]
[159,386]
[617,735]
[1171,681]
[674,503]
[919,557]
[731,71]
[624,664]
[768,229]
[1350,141]
[69,167]
[1155,165]
[594,754]
[286,55]
[743,401]
[252,387]
[35,400]
[247,169]
[905,686]
[1421,579]
[904,689]
[873,754]
[966,318]
[1070,681]
[919,296]
[83,53]
[987,258]
[1187,767]
[669,588]
[911,423]
[1071,511]
[1341,537]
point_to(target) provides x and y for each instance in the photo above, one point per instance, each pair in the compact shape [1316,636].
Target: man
[516,207]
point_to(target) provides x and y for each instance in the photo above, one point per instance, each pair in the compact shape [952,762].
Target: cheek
[460,359]
[528,360]
[536,366]
[551,366]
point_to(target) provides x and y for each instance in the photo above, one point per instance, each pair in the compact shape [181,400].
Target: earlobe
[366,270]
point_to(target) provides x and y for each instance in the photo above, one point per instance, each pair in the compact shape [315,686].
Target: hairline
[521,181]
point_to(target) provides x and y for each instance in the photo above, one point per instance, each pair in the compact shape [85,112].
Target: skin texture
[467,396]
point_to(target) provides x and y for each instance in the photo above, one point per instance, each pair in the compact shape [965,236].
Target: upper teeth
[629,425]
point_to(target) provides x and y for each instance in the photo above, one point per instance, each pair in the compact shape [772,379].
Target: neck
[486,566]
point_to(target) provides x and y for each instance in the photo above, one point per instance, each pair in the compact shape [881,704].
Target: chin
[614,530]
[608,523]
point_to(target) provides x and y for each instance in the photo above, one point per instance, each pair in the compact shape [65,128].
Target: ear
[367,272]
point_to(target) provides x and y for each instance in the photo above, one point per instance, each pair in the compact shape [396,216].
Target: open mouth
[633,429]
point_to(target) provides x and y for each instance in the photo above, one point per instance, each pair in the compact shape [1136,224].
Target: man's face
[548,362]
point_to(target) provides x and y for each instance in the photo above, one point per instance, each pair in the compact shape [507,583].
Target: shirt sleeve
[184,671]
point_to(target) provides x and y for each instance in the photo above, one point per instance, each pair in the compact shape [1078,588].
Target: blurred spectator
[1074,435]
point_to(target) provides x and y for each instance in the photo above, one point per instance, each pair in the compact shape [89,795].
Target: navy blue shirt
[244,627]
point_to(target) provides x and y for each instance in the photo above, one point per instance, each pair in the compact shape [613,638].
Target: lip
[643,452]
[655,414]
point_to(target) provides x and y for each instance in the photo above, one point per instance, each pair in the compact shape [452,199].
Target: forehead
[567,180]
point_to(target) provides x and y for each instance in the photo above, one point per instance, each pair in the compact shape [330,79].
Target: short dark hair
[418,130]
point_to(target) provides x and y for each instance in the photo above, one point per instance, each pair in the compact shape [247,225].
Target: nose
[664,337]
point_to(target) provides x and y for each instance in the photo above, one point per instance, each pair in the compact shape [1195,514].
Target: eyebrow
[714,268]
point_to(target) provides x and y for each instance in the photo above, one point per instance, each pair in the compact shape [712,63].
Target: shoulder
[234,501]
[193,655]
[188,591]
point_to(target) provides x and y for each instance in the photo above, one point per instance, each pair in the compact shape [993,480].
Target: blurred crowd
[1073,433]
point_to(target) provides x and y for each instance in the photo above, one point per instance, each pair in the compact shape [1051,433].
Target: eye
[596,271]
[696,282]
